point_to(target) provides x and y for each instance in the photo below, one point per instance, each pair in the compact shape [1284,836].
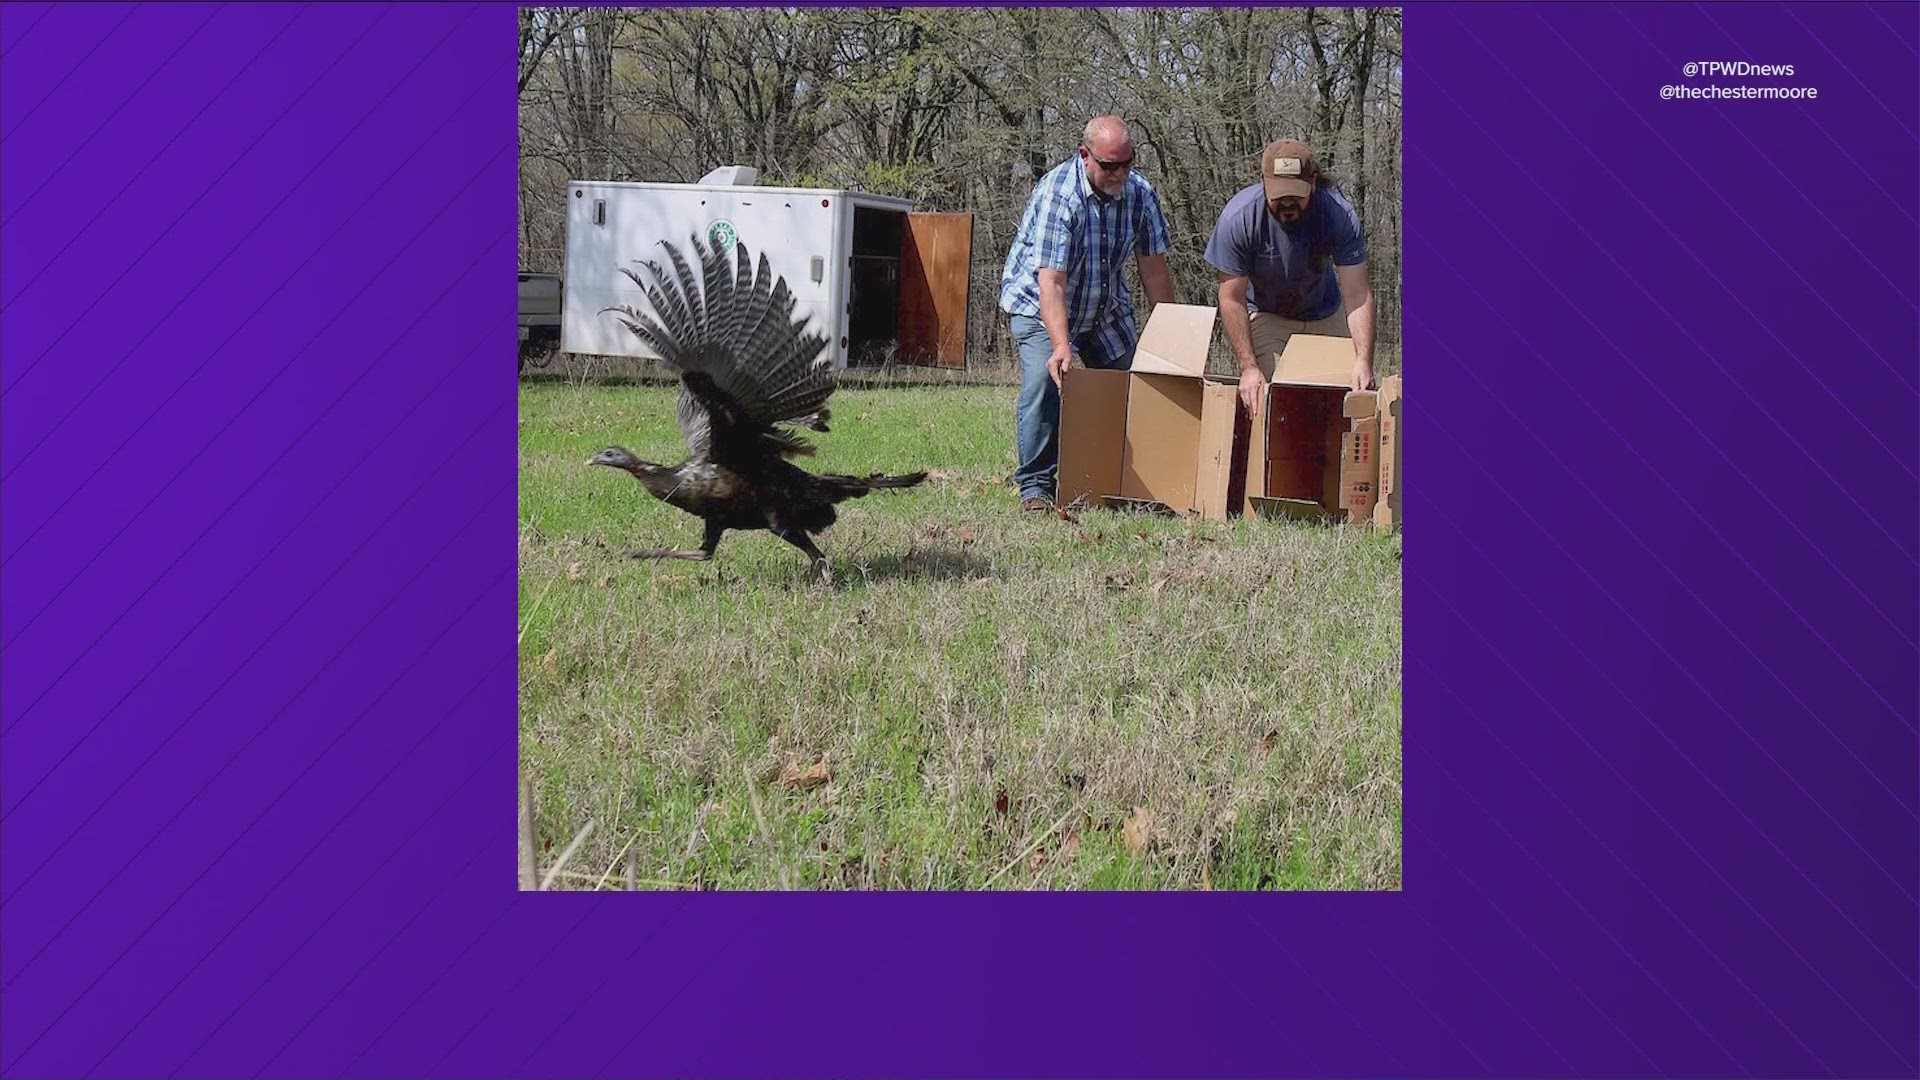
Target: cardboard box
[1386,510]
[1165,436]
[1360,458]
[1313,448]
[1159,436]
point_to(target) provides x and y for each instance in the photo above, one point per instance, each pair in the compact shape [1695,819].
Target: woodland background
[961,110]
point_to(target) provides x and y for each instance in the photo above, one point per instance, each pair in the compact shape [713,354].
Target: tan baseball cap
[1287,168]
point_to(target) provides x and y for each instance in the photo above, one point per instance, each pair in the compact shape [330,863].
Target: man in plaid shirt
[1064,288]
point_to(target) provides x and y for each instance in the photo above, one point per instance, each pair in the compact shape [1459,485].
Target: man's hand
[1057,362]
[1253,383]
[1362,376]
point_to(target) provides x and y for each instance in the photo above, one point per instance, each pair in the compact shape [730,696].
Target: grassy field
[979,700]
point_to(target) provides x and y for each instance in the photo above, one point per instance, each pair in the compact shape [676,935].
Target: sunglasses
[1110,166]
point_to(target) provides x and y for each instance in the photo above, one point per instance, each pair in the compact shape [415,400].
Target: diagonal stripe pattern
[258,754]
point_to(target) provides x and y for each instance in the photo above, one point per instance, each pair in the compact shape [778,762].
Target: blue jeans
[1036,418]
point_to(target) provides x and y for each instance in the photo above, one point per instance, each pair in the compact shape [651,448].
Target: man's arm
[1156,279]
[1358,294]
[1233,313]
[1053,316]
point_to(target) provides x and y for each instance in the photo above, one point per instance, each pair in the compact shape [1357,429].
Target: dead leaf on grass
[799,779]
[576,571]
[1139,830]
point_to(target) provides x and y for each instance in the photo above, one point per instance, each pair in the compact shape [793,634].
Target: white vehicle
[878,279]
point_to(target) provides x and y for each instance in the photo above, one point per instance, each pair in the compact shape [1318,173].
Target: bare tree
[963,109]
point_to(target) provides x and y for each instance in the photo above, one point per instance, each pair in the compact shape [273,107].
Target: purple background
[259,468]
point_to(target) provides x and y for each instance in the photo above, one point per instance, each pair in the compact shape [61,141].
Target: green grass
[993,695]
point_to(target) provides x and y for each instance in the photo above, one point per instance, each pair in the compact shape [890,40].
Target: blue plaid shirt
[1068,226]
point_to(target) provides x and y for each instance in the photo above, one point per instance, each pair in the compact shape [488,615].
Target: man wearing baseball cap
[1292,259]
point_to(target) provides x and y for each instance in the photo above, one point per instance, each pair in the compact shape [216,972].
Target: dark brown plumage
[750,374]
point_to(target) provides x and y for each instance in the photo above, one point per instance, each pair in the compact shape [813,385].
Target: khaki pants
[1272,332]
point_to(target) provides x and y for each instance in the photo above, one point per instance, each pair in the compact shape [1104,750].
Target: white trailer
[878,279]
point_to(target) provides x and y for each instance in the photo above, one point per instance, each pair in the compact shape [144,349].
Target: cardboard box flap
[1386,508]
[1175,341]
[1093,418]
[1214,474]
[1316,360]
[1163,422]
[1360,469]
[1289,509]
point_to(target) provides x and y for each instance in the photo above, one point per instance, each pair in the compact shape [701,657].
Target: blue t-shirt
[1289,271]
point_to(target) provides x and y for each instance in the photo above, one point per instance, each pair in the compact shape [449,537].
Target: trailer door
[935,257]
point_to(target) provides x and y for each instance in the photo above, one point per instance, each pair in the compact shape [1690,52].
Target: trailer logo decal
[721,235]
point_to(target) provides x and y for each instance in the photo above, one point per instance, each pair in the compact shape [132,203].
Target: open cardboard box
[1313,450]
[1166,436]
[1159,436]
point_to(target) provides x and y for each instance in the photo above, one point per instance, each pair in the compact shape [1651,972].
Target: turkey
[750,377]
